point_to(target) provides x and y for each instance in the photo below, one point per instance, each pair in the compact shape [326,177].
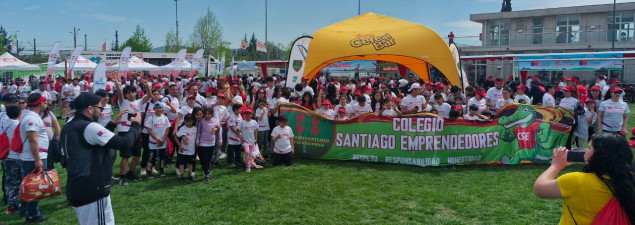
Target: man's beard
[95,117]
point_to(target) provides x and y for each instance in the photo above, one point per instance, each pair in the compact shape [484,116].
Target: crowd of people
[176,122]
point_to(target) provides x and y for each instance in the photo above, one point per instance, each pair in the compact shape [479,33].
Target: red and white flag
[261,47]
[55,53]
[243,45]
[103,47]
[71,63]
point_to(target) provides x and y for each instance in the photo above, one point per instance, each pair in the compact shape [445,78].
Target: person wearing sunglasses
[613,113]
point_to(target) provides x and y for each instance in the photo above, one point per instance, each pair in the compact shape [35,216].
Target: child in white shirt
[157,125]
[186,155]
[262,116]
[248,135]
[283,149]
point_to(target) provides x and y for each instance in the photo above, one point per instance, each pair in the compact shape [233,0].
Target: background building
[554,30]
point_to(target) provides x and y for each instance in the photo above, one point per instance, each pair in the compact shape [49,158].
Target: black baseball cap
[10,98]
[84,100]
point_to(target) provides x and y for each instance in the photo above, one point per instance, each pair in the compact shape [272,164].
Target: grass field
[331,192]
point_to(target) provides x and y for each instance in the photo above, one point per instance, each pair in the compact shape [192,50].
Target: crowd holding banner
[405,121]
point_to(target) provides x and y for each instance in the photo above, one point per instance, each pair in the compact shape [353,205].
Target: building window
[624,24]
[568,29]
[537,31]
[499,32]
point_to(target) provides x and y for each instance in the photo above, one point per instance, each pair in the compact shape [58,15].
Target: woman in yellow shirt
[609,164]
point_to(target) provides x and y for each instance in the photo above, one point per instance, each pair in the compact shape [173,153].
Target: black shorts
[134,151]
[285,159]
[185,159]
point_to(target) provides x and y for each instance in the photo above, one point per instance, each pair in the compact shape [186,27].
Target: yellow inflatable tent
[376,37]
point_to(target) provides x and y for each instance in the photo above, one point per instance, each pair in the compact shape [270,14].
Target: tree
[138,42]
[207,34]
[5,43]
[172,44]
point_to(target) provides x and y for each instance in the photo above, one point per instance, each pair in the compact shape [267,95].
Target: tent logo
[379,42]
[297,65]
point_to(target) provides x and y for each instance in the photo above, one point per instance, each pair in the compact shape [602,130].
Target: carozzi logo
[379,42]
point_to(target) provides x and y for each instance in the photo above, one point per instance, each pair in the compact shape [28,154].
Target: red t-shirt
[527,136]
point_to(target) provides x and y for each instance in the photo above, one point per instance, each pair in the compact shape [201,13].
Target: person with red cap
[326,110]
[612,83]
[595,93]
[520,96]
[414,102]
[478,100]
[210,97]
[547,98]
[367,91]
[428,89]
[613,113]
[341,114]
[582,92]
[343,103]
[494,94]
[569,102]
[305,87]
[361,107]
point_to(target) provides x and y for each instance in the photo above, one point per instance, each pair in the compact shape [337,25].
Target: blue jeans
[30,208]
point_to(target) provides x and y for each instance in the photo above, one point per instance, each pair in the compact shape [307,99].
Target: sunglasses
[99,107]
[617,92]
[261,92]
[21,103]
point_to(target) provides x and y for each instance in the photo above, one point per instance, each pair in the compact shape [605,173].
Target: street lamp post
[359,6]
[85,42]
[176,10]
[75,30]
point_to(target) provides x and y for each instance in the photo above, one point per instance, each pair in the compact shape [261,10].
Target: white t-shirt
[328,113]
[159,126]
[238,99]
[389,112]
[282,145]
[31,121]
[75,91]
[247,129]
[547,100]
[348,108]
[53,95]
[469,117]
[184,110]
[269,93]
[234,121]
[280,100]
[209,102]
[96,134]
[132,107]
[501,102]
[105,116]
[613,114]
[43,93]
[190,134]
[220,113]
[263,124]
[494,95]
[359,110]
[568,103]
[307,89]
[444,110]
[517,98]
[13,89]
[482,104]
[168,99]
[411,102]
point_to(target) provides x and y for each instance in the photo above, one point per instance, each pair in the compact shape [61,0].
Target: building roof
[479,18]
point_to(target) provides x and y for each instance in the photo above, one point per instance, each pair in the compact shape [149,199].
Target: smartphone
[130,115]
[575,156]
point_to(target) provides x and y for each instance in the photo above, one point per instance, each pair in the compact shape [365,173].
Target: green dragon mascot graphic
[534,137]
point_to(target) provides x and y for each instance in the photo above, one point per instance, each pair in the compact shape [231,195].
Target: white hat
[403,83]
[413,86]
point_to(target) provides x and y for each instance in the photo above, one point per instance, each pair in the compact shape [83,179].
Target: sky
[49,21]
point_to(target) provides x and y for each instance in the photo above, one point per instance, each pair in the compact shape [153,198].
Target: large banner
[55,53]
[99,78]
[297,60]
[246,66]
[351,67]
[561,63]
[518,134]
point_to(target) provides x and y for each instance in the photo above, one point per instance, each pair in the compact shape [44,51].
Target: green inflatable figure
[534,137]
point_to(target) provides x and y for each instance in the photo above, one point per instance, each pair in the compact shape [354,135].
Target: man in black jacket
[86,147]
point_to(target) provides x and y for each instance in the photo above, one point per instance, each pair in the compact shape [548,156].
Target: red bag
[16,140]
[39,185]
[611,214]
[4,146]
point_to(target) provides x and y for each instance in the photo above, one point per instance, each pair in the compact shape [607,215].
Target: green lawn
[332,192]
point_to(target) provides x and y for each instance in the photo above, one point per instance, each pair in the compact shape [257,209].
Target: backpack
[4,144]
[612,213]
[17,142]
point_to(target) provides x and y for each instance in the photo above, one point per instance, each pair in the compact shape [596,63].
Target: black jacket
[89,167]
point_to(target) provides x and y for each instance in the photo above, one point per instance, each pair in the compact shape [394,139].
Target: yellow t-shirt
[584,194]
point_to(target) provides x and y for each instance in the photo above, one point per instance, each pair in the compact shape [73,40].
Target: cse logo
[379,42]
[523,136]
[300,129]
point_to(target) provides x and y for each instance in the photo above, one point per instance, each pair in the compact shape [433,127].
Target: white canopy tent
[137,64]
[10,62]
[82,64]
[186,66]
